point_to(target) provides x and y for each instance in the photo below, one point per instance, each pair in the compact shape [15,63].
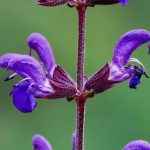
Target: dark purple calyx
[99,82]
[62,84]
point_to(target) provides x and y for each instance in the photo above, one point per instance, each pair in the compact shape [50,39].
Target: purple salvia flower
[40,143]
[116,71]
[137,145]
[55,83]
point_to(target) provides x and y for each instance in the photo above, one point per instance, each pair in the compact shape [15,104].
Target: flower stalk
[80,102]
[81,45]
[81,99]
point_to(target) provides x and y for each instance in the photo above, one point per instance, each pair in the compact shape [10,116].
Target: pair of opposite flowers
[50,81]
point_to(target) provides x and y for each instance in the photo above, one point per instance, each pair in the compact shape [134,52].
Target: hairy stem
[81,46]
[80,123]
[80,100]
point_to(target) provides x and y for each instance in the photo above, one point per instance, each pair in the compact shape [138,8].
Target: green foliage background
[114,117]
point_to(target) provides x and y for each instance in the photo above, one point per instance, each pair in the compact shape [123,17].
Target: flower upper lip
[42,47]
[137,145]
[40,143]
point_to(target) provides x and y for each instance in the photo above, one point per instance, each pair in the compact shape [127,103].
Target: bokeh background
[114,117]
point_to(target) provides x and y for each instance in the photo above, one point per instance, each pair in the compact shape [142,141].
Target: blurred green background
[114,117]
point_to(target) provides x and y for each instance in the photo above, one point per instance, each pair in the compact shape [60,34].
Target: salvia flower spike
[40,143]
[116,71]
[49,82]
[137,145]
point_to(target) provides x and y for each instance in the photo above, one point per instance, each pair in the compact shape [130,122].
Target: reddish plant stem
[81,99]
[80,123]
[81,46]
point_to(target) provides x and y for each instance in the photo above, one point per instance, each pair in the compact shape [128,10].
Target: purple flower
[119,69]
[40,143]
[75,3]
[137,145]
[49,81]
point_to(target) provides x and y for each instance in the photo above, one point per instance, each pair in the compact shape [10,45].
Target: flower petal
[128,44]
[137,145]
[51,2]
[118,74]
[134,81]
[23,98]
[41,91]
[138,62]
[123,2]
[133,73]
[40,143]
[40,44]
[25,66]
